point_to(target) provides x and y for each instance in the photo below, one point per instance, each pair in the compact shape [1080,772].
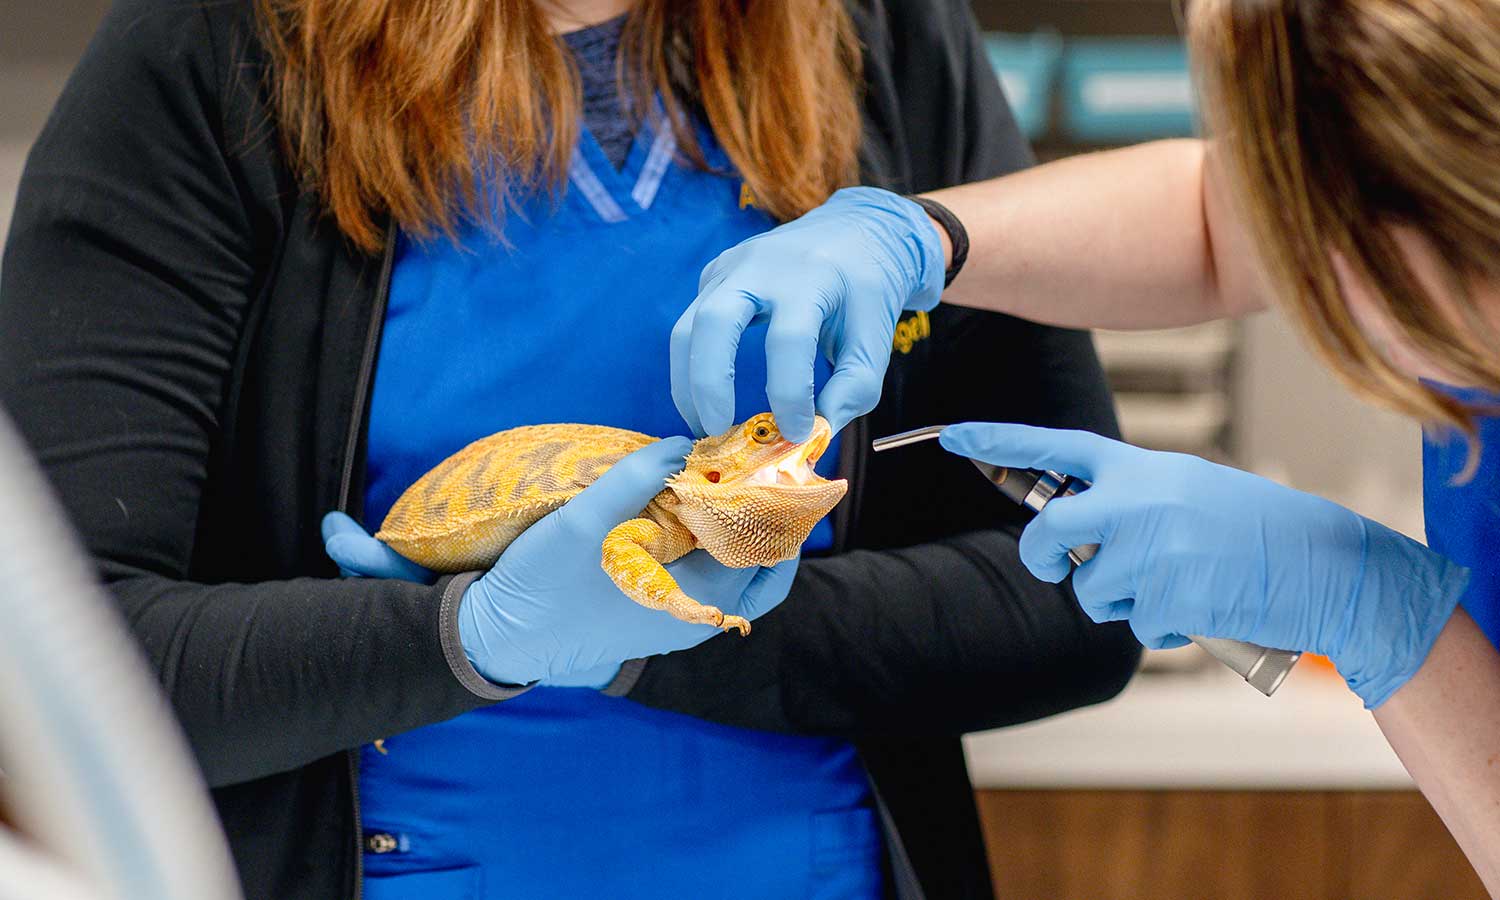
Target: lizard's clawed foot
[732,623]
[712,615]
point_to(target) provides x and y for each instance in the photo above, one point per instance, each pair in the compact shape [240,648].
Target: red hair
[385,105]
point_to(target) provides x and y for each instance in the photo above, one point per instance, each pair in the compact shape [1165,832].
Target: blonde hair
[1339,119]
[430,111]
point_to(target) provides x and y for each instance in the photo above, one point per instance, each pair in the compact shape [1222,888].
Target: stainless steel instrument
[1263,667]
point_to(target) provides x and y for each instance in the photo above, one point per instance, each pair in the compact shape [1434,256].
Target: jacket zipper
[346,480]
[359,829]
[367,367]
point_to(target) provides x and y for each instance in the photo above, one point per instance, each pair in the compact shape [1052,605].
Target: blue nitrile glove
[360,556]
[835,280]
[547,612]
[1190,547]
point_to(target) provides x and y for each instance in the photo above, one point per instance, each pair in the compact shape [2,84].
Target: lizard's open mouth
[795,465]
[762,516]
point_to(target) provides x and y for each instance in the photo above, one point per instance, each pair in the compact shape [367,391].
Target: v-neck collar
[616,195]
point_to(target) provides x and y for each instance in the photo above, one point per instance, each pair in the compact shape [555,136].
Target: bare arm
[1445,726]
[1134,238]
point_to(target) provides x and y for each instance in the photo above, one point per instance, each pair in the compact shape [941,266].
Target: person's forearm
[267,677]
[1134,238]
[942,638]
[1445,726]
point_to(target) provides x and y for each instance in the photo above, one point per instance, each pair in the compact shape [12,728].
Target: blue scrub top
[1463,520]
[565,792]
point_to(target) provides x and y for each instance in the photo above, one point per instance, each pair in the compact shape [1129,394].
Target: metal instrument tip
[914,436]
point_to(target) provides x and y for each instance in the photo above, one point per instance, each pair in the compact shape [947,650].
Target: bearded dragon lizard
[748,496]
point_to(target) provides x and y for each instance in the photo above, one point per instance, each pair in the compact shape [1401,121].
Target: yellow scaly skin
[747,496]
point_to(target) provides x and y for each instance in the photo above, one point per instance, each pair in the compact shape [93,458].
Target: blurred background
[1190,784]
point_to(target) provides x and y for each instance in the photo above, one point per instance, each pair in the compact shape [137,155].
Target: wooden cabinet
[1221,845]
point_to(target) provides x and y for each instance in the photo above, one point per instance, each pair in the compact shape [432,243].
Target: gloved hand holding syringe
[1183,546]
[1263,667]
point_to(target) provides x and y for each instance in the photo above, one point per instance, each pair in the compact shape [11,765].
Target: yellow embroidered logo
[747,196]
[910,330]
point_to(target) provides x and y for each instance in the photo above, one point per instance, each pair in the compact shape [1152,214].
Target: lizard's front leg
[631,565]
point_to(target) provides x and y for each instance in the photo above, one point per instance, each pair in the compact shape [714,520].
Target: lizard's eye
[713,477]
[763,433]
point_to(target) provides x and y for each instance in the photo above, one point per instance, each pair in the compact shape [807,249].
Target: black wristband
[957,234]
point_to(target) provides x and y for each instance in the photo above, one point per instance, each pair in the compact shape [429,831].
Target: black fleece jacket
[186,343]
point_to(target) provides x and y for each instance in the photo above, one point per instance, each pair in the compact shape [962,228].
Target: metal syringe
[1264,668]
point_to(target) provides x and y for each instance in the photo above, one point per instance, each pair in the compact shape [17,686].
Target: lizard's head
[750,496]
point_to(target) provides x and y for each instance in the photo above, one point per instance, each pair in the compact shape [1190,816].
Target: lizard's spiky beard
[751,496]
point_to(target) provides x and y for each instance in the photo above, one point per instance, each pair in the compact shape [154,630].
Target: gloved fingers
[623,492]
[1164,614]
[1104,588]
[682,391]
[707,580]
[854,387]
[1077,453]
[1166,642]
[361,556]
[1065,523]
[1117,611]
[342,557]
[340,523]
[720,318]
[768,588]
[791,360]
[1153,639]
[681,346]
[1105,595]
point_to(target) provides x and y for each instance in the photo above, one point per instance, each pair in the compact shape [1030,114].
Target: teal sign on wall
[1108,90]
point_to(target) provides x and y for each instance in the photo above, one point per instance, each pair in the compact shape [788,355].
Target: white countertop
[1202,729]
